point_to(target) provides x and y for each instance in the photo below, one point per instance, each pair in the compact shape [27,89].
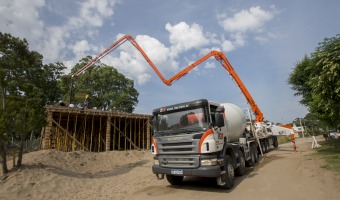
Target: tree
[317,80]
[13,54]
[108,88]
[26,87]
[3,139]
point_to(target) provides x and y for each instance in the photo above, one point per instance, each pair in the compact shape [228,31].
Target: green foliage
[26,86]
[108,88]
[317,80]
[282,139]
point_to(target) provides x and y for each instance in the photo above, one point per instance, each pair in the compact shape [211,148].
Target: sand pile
[51,174]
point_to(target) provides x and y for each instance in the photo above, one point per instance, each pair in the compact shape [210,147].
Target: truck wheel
[275,144]
[228,176]
[266,149]
[241,170]
[263,146]
[256,154]
[174,180]
[251,161]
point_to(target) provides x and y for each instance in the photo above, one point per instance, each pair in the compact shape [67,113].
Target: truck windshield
[184,121]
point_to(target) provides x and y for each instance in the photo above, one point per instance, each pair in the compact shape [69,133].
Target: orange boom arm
[217,55]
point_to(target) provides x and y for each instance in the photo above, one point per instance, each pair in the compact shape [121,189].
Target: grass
[282,139]
[330,151]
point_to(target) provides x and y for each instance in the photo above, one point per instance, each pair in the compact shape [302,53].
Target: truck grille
[179,161]
[180,154]
[178,148]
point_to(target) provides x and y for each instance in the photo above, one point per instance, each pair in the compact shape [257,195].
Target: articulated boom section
[216,54]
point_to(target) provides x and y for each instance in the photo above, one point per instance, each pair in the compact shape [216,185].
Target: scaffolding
[72,129]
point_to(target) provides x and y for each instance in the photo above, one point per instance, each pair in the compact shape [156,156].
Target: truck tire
[241,170]
[263,146]
[174,180]
[275,143]
[266,147]
[228,177]
[251,162]
[256,153]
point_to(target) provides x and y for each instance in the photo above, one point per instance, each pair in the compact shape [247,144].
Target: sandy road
[282,174]
[51,174]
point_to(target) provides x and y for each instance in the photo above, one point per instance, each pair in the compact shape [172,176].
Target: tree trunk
[21,149]
[3,155]
[4,98]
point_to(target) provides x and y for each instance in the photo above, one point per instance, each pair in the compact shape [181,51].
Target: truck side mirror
[219,120]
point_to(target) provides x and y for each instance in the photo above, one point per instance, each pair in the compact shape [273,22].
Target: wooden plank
[108,134]
[65,131]
[122,134]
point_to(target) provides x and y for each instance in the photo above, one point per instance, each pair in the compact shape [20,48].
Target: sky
[262,39]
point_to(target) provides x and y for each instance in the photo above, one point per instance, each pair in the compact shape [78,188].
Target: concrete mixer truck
[201,138]
[204,139]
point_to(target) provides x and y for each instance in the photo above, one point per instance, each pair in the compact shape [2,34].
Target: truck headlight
[156,162]
[209,162]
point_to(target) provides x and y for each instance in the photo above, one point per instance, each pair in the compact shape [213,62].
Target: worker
[292,136]
[88,102]
[294,146]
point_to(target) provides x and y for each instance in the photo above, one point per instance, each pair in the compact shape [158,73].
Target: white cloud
[158,53]
[242,24]
[93,11]
[80,47]
[210,65]
[227,46]
[143,78]
[69,40]
[23,19]
[184,37]
[247,20]
[205,51]
[131,63]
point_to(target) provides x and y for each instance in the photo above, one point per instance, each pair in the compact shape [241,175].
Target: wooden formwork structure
[72,129]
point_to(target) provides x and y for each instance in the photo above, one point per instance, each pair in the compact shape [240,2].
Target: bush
[282,139]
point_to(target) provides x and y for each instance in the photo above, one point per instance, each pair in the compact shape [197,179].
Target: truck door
[219,133]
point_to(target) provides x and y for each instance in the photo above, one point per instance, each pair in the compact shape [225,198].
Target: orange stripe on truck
[205,135]
[154,144]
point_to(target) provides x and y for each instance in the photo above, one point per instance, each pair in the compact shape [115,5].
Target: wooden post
[74,134]
[148,139]
[134,132]
[125,135]
[114,134]
[59,137]
[66,132]
[48,130]
[84,137]
[144,127]
[100,130]
[139,130]
[67,128]
[91,133]
[108,133]
[119,134]
[130,133]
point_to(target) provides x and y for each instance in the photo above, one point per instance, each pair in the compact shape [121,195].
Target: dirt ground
[50,174]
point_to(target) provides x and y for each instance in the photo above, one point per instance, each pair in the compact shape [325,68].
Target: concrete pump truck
[202,138]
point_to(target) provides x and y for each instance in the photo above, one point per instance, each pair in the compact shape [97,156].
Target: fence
[28,145]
